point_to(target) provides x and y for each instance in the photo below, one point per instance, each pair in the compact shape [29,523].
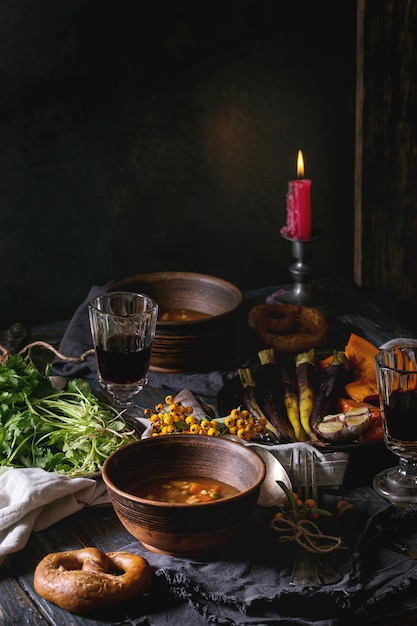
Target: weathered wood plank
[95,526]
[386,237]
[16,608]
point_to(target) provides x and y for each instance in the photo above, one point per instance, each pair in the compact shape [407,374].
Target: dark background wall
[386,181]
[143,136]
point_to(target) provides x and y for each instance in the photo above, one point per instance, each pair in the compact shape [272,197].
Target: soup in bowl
[226,477]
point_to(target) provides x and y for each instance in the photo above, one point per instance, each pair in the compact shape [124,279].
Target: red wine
[401,415]
[123,362]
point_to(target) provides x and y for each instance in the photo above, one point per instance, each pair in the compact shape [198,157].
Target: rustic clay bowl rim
[152,277]
[184,505]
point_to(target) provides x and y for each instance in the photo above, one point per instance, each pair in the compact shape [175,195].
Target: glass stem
[407,467]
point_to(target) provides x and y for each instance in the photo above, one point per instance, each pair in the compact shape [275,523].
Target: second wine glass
[396,371]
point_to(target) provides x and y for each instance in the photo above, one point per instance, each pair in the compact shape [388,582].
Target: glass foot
[396,487]
[123,396]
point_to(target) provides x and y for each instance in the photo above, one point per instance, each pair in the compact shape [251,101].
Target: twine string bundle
[307,535]
[5,353]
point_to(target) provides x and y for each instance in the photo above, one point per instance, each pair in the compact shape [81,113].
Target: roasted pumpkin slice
[362,391]
[360,354]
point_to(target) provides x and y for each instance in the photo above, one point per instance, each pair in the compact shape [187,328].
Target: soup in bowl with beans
[184,495]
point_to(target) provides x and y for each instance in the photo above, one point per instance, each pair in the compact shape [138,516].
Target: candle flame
[300,165]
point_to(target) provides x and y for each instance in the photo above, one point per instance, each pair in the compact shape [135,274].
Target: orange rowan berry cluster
[242,424]
[173,417]
[295,509]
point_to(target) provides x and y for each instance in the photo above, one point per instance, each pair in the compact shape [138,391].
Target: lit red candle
[298,205]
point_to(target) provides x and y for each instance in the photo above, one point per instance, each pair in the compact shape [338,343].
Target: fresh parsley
[68,431]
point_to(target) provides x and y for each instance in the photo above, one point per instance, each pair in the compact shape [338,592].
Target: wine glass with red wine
[123,326]
[396,372]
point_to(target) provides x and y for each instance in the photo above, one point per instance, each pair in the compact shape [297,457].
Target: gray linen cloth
[248,583]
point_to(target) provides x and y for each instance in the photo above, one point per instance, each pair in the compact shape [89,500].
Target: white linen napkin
[271,493]
[33,499]
[330,466]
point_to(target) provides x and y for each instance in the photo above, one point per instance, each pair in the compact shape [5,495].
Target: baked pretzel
[288,328]
[87,579]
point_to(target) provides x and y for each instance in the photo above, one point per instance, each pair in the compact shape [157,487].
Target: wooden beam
[357,235]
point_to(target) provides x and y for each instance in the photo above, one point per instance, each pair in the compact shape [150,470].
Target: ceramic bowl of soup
[184,495]
[199,319]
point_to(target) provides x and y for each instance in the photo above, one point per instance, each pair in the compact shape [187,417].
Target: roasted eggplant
[269,391]
[331,385]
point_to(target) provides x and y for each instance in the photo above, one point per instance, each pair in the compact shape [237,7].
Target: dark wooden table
[98,526]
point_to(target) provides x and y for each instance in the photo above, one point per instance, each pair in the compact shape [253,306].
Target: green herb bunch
[67,431]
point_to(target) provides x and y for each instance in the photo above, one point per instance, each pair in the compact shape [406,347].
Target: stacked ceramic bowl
[198,320]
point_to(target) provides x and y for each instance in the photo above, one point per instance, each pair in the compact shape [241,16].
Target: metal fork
[303,473]
[309,569]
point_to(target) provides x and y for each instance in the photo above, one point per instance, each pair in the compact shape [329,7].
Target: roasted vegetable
[306,375]
[292,406]
[344,426]
[251,403]
[374,430]
[360,355]
[330,389]
[345,405]
[362,391]
[270,393]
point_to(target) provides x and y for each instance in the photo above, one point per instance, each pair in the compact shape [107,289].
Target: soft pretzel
[288,328]
[87,579]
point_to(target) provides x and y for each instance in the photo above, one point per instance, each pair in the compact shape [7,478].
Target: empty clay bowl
[183,530]
[198,320]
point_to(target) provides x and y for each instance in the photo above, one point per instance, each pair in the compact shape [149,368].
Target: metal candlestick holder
[302,271]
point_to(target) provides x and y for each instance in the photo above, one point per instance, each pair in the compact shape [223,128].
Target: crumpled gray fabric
[248,583]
